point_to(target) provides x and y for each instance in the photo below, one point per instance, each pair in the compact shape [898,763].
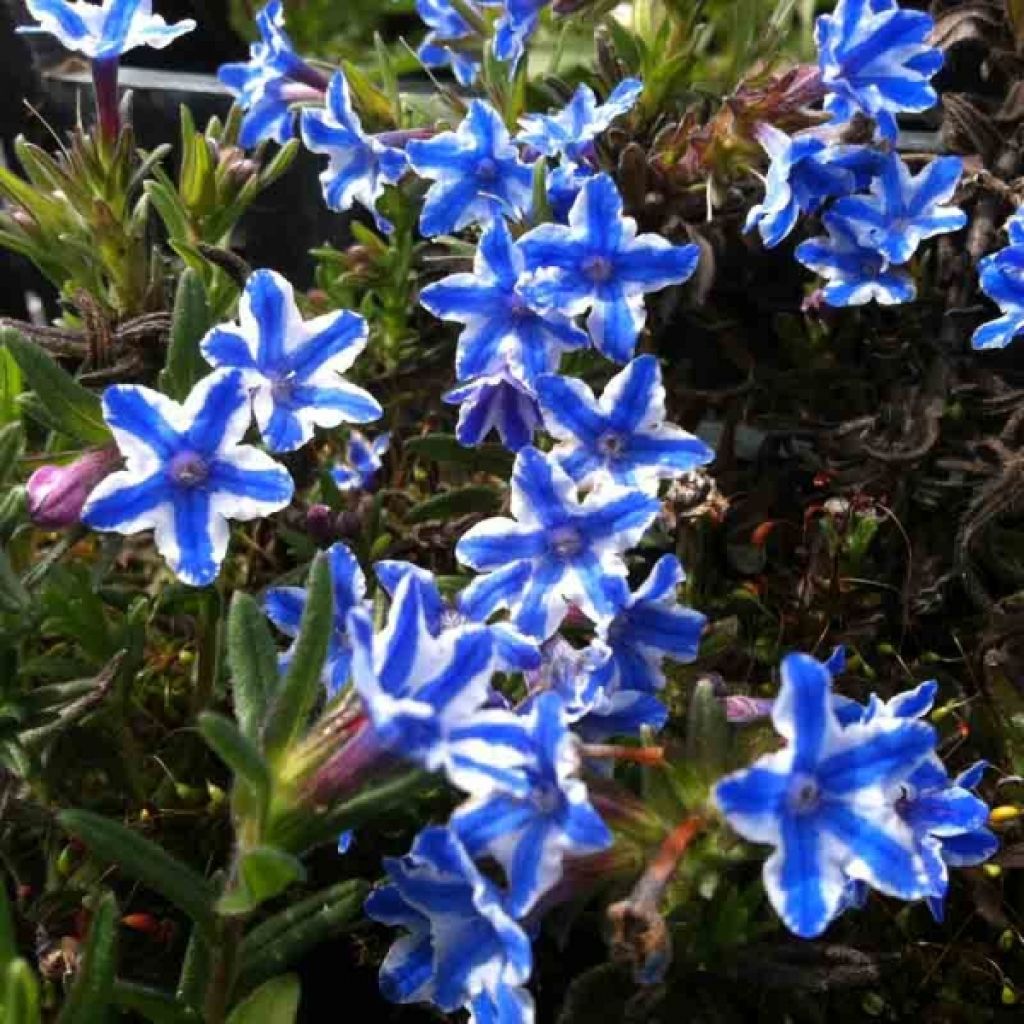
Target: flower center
[189,469]
[597,268]
[282,388]
[565,541]
[611,445]
[804,795]
[547,799]
[487,169]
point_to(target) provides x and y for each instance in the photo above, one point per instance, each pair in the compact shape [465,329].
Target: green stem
[222,976]
[208,649]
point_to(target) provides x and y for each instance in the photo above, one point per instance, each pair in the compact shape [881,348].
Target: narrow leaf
[460,501]
[252,661]
[191,320]
[156,1006]
[263,873]
[12,443]
[89,999]
[274,1002]
[238,753]
[22,994]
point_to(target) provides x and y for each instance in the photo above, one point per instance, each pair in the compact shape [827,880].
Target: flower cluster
[874,62]
[1002,280]
[857,798]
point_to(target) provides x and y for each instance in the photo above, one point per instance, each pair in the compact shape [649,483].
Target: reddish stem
[108,113]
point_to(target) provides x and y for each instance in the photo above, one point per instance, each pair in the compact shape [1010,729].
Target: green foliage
[274,1002]
[190,321]
[90,999]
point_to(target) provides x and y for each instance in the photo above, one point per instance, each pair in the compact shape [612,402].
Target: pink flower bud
[56,494]
[740,709]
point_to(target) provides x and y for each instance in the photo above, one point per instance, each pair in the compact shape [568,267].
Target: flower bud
[56,494]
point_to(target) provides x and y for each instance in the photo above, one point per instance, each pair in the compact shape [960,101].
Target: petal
[802,712]
[218,412]
[570,411]
[246,483]
[634,399]
[615,321]
[753,800]
[195,540]
[542,493]
[498,542]
[499,589]
[878,753]
[653,262]
[284,607]
[125,503]
[229,346]
[145,424]
[327,343]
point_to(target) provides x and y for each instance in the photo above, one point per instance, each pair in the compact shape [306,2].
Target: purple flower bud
[56,494]
[320,521]
[740,709]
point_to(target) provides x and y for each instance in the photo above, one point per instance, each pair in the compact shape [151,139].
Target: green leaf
[252,661]
[460,501]
[197,185]
[263,873]
[8,946]
[75,409]
[298,691]
[14,597]
[139,858]
[191,320]
[195,970]
[445,448]
[284,938]
[708,738]
[12,443]
[10,387]
[239,754]
[168,205]
[22,994]
[89,999]
[156,1006]
[274,1002]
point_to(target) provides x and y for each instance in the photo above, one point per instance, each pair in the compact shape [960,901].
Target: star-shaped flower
[531,833]
[650,627]
[622,437]
[364,460]
[461,945]
[854,275]
[476,172]
[292,367]
[186,472]
[571,132]
[500,330]
[805,170]
[273,79]
[824,802]
[447,26]
[875,59]
[360,165]
[904,209]
[284,607]
[106,30]
[1002,280]
[499,402]
[556,551]
[598,263]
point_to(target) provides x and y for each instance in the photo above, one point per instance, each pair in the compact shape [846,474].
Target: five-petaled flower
[904,209]
[476,172]
[824,802]
[622,437]
[1002,280]
[854,274]
[875,59]
[285,605]
[571,132]
[273,79]
[292,367]
[107,30]
[530,830]
[462,947]
[360,165]
[556,551]
[598,263]
[364,459]
[500,330]
[498,401]
[186,472]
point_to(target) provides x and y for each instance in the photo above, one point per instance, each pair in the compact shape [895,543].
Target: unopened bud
[57,494]
[1001,815]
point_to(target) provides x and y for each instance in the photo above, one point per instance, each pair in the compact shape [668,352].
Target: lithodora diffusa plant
[268,681]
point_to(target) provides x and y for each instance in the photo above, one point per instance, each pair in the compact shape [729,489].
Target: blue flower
[904,209]
[292,367]
[500,328]
[513,651]
[556,551]
[854,275]
[476,172]
[360,165]
[448,26]
[650,627]
[461,945]
[107,30]
[1002,280]
[564,183]
[598,263]
[571,132]
[500,402]
[284,607]
[531,833]
[824,802]
[1014,227]
[273,79]
[621,438]
[875,59]
[186,472]
[518,21]
[805,170]
[364,461]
